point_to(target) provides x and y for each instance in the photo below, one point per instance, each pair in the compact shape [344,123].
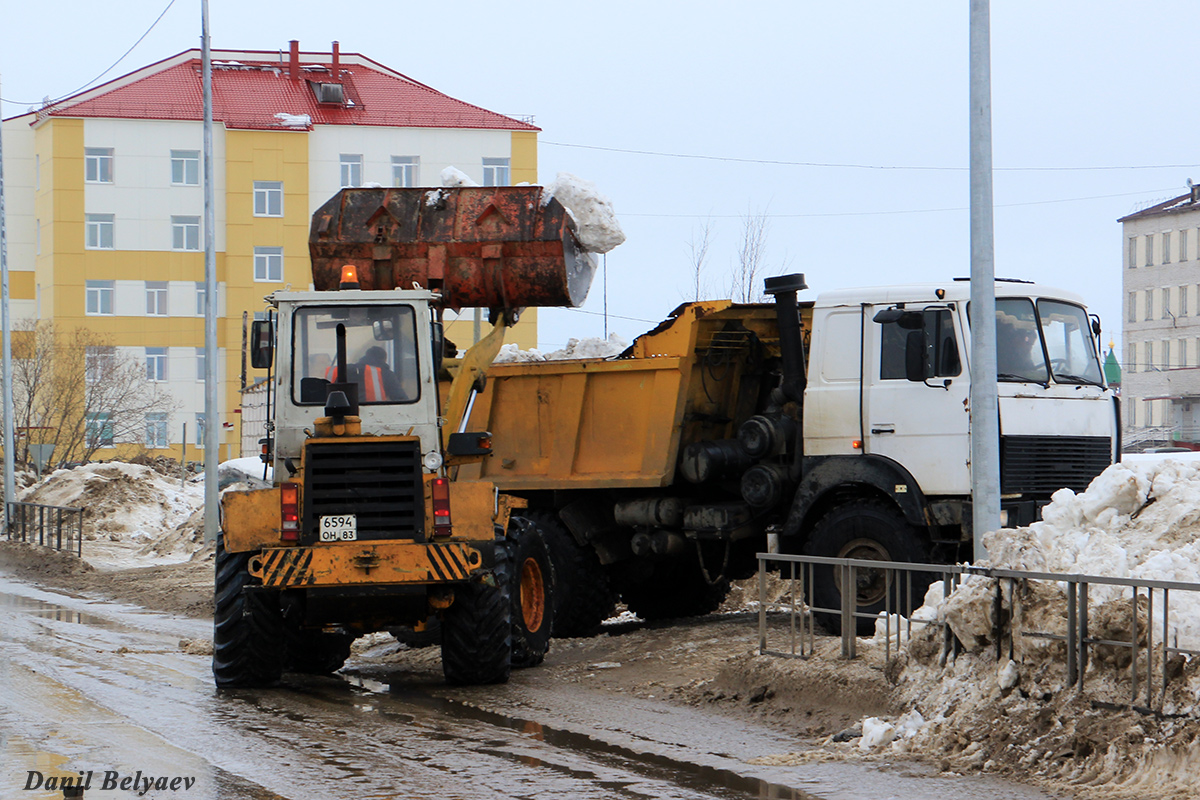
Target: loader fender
[878,475]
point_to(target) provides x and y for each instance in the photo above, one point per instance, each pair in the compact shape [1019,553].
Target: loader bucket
[480,247]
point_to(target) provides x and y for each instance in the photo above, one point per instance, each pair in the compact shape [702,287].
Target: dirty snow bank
[593,347]
[452,176]
[596,224]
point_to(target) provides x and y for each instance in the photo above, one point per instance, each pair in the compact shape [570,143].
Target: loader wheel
[477,627]
[675,588]
[583,594]
[248,640]
[872,531]
[533,593]
[316,652]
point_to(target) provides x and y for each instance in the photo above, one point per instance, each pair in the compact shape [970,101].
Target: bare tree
[743,286]
[697,254]
[78,392]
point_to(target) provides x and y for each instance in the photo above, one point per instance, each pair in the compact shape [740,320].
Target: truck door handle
[884,429]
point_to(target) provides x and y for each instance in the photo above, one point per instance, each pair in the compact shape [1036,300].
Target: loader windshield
[381,353]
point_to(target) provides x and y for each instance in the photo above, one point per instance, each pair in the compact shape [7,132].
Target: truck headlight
[433,460]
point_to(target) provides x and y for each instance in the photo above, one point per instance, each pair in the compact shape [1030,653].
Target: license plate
[339,528]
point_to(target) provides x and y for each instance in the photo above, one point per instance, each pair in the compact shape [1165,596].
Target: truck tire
[583,594]
[675,588]
[248,643]
[315,652]
[533,593]
[871,530]
[477,628]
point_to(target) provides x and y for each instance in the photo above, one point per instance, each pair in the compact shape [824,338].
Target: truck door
[921,424]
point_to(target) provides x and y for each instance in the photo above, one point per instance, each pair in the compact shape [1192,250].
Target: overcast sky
[866,100]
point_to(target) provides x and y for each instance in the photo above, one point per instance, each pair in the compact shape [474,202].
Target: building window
[156,431]
[1133,306]
[1150,250]
[156,298]
[1166,247]
[156,364]
[99,363]
[1132,252]
[1166,302]
[99,429]
[1183,245]
[268,263]
[351,170]
[1183,301]
[1149,305]
[404,170]
[185,167]
[98,164]
[495,172]
[99,297]
[201,300]
[1166,353]
[268,198]
[200,430]
[201,364]
[99,230]
[185,233]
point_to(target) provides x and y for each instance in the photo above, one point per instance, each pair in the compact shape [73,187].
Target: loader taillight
[441,507]
[289,512]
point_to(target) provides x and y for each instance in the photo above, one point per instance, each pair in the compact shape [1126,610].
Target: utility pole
[985,410]
[211,421]
[10,442]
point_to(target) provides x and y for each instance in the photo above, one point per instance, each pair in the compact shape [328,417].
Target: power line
[835,165]
[614,316]
[102,74]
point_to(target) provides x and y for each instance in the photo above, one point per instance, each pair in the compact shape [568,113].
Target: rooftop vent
[330,93]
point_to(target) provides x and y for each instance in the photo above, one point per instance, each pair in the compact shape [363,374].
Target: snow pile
[596,224]
[294,120]
[452,176]
[592,347]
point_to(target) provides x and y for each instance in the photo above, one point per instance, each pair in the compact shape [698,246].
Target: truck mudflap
[369,564]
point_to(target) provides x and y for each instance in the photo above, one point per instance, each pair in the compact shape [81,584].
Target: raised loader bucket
[481,247]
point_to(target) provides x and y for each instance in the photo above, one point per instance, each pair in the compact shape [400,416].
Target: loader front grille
[379,482]
[1041,465]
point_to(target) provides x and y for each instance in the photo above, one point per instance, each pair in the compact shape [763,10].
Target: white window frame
[200,426]
[100,231]
[98,165]
[156,364]
[201,299]
[99,298]
[351,169]
[405,171]
[98,362]
[157,434]
[497,172]
[98,427]
[1149,249]
[1166,247]
[156,299]
[185,233]
[268,264]
[185,167]
[268,198]
[201,363]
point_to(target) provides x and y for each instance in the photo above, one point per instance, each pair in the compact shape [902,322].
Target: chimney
[337,63]
[294,60]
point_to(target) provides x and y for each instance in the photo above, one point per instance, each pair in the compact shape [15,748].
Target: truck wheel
[583,594]
[873,531]
[477,628]
[533,593]
[675,588]
[316,652]
[247,626]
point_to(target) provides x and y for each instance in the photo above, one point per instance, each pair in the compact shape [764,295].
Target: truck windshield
[1019,354]
[1068,336]
[381,353]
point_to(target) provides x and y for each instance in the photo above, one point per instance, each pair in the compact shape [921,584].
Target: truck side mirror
[915,364]
[262,343]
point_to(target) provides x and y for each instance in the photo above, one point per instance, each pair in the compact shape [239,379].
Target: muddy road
[125,696]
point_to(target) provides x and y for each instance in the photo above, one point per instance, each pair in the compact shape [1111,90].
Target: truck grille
[1042,465]
[379,482]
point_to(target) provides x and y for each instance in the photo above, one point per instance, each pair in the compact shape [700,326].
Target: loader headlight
[433,460]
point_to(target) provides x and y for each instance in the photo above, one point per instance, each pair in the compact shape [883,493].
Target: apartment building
[1160,387]
[105,203]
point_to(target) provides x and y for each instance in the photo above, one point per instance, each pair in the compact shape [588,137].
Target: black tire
[248,645]
[429,635]
[315,652]
[675,588]
[871,530]
[477,627]
[533,593]
[583,596]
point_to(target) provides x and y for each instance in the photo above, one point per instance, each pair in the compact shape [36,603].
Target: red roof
[248,94]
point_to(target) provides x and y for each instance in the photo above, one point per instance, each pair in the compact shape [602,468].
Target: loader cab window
[941,347]
[381,353]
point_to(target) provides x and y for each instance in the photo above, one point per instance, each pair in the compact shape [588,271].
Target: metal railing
[48,526]
[1150,645]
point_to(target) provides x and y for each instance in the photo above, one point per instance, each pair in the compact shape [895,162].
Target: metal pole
[985,416]
[10,488]
[211,416]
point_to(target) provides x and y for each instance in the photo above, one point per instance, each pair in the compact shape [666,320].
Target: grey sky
[880,84]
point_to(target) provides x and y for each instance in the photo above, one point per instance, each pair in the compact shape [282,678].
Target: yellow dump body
[597,423]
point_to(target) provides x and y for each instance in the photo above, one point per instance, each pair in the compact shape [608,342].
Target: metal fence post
[762,606]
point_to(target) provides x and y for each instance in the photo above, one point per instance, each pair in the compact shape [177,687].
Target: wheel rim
[871,585]
[533,595]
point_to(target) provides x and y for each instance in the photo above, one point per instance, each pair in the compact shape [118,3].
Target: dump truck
[363,527]
[838,427]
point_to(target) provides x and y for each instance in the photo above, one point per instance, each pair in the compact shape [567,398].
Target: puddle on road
[41,608]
